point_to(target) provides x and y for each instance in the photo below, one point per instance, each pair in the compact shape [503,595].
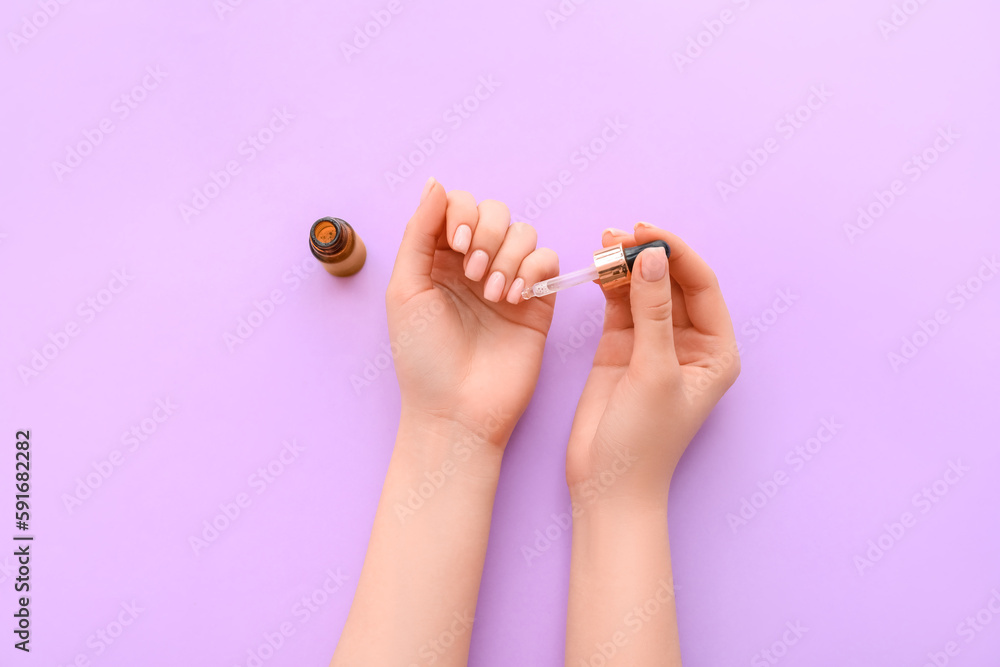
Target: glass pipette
[612,267]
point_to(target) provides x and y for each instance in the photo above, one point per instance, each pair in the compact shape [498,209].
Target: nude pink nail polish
[476,267]
[427,189]
[462,238]
[494,287]
[514,295]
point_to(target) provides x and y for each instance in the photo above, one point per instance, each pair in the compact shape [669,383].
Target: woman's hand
[466,350]
[666,357]
[467,356]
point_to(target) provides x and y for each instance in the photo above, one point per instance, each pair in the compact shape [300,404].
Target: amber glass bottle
[337,246]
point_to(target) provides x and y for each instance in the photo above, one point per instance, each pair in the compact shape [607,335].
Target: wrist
[605,495]
[438,441]
[619,520]
[622,480]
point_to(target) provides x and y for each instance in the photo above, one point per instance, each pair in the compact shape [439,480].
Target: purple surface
[339,122]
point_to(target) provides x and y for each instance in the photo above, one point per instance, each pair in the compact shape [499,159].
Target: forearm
[421,575]
[621,593]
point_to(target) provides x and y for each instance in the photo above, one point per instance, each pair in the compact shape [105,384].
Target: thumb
[411,274]
[652,315]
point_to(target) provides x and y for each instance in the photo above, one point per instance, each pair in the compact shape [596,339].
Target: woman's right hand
[666,356]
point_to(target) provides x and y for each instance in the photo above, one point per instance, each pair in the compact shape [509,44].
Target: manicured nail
[653,264]
[494,287]
[476,267]
[427,189]
[514,295]
[610,234]
[462,238]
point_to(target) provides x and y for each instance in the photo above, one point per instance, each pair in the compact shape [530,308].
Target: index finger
[702,295]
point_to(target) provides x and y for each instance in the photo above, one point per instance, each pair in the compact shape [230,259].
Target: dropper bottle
[337,246]
[612,267]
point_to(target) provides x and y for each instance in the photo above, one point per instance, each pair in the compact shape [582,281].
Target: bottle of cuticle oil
[337,246]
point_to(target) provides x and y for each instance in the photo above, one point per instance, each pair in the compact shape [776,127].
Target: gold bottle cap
[612,268]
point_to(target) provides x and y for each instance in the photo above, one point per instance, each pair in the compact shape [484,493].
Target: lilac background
[826,356]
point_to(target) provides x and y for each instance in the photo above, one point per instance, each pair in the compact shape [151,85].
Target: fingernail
[653,264]
[476,267]
[514,295]
[609,235]
[494,287]
[462,238]
[644,225]
[427,189]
